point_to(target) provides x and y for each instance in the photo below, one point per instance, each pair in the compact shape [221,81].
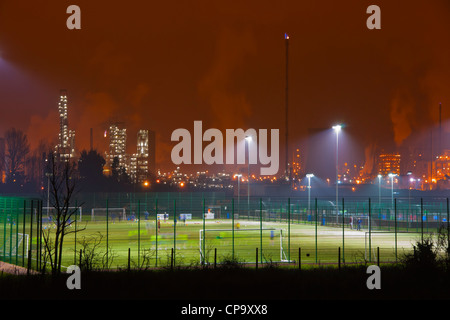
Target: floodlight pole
[248,139]
[309,176]
[287,171]
[239,189]
[391,175]
[409,191]
[337,128]
[337,175]
[379,191]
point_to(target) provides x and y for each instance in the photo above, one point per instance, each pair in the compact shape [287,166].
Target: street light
[379,190]
[248,139]
[337,129]
[409,173]
[239,187]
[309,176]
[392,175]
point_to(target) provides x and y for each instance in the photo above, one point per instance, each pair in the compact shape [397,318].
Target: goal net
[362,223]
[51,211]
[14,244]
[385,242]
[113,214]
[243,242]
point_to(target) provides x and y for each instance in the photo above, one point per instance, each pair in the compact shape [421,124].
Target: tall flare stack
[440,130]
[287,171]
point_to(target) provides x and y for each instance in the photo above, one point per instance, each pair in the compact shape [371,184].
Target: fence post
[343,230]
[215,257]
[232,228]
[39,237]
[107,232]
[29,260]
[370,231]
[378,256]
[448,231]
[174,230]
[256,265]
[31,235]
[23,226]
[156,228]
[75,236]
[421,218]
[395,227]
[316,226]
[339,258]
[299,258]
[260,228]
[129,258]
[139,231]
[289,229]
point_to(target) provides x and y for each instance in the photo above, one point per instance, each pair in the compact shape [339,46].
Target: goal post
[50,211]
[362,223]
[242,237]
[383,240]
[99,214]
[12,245]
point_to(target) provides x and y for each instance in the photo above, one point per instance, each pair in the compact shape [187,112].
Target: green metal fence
[147,230]
[20,227]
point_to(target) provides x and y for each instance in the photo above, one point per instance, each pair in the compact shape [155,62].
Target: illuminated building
[442,163]
[66,138]
[139,161]
[389,163]
[296,166]
[117,146]
[152,154]
[296,169]
[141,166]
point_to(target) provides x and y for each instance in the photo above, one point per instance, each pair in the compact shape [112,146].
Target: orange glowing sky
[162,65]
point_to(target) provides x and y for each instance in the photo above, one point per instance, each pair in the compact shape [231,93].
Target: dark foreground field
[236,283]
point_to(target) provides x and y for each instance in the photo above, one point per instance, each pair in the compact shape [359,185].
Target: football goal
[15,244]
[244,240]
[384,240]
[100,214]
[363,223]
[51,211]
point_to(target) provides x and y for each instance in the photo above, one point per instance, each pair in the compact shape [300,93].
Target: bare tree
[63,187]
[93,255]
[17,149]
[35,164]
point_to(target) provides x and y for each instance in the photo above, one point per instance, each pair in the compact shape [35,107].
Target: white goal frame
[16,245]
[122,211]
[47,210]
[367,238]
[366,224]
[283,257]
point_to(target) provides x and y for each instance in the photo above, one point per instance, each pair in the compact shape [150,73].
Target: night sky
[162,65]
